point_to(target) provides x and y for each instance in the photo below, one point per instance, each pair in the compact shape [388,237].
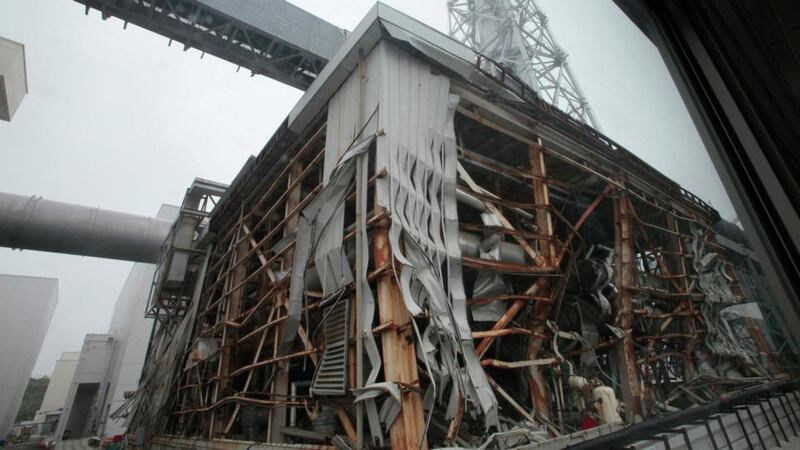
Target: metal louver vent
[331,376]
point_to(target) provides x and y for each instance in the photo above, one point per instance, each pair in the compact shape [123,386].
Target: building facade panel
[26,309]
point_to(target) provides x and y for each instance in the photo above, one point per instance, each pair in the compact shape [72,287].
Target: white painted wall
[132,332]
[119,366]
[58,388]
[26,308]
[13,79]
[93,364]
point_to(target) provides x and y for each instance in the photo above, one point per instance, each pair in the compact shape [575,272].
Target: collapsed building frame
[425,253]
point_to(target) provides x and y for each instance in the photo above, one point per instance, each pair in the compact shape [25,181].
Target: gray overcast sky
[117,119]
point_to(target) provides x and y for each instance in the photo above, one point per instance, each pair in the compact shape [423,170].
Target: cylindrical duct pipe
[32,223]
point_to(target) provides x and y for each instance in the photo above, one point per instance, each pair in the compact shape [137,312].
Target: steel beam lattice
[515,34]
[272,38]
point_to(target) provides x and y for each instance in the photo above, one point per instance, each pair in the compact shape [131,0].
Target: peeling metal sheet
[330,377]
[313,234]
[715,284]
[489,283]
[419,152]
[352,112]
[390,408]
[743,311]
[417,148]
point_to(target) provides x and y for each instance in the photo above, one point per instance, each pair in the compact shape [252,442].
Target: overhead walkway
[269,37]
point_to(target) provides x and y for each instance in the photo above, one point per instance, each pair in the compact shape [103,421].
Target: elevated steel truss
[235,31]
[515,34]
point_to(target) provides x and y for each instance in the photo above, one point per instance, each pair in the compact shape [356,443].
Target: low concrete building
[26,309]
[89,385]
[56,395]
[13,78]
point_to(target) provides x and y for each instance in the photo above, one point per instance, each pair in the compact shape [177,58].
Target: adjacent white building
[132,333]
[81,413]
[110,364]
[26,309]
[56,394]
[13,79]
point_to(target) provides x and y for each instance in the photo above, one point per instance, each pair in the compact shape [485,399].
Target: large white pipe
[33,223]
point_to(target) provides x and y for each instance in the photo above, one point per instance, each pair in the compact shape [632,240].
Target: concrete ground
[73,444]
[27,445]
[793,444]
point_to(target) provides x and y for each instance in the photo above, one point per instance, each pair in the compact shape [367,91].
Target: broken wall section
[408,107]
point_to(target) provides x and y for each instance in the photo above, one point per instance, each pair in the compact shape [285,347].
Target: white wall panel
[26,309]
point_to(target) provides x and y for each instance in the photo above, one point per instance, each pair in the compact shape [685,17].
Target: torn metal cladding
[435,259]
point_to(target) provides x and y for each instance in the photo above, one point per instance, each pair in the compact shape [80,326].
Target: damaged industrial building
[426,254]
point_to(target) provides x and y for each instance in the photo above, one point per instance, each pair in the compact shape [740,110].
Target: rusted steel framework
[235,383]
[243,307]
[350,280]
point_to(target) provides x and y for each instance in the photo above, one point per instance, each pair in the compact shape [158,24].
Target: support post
[623,273]
[232,311]
[359,307]
[678,269]
[359,301]
[761,345]
[399,353]
[280,384]
[541,310]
